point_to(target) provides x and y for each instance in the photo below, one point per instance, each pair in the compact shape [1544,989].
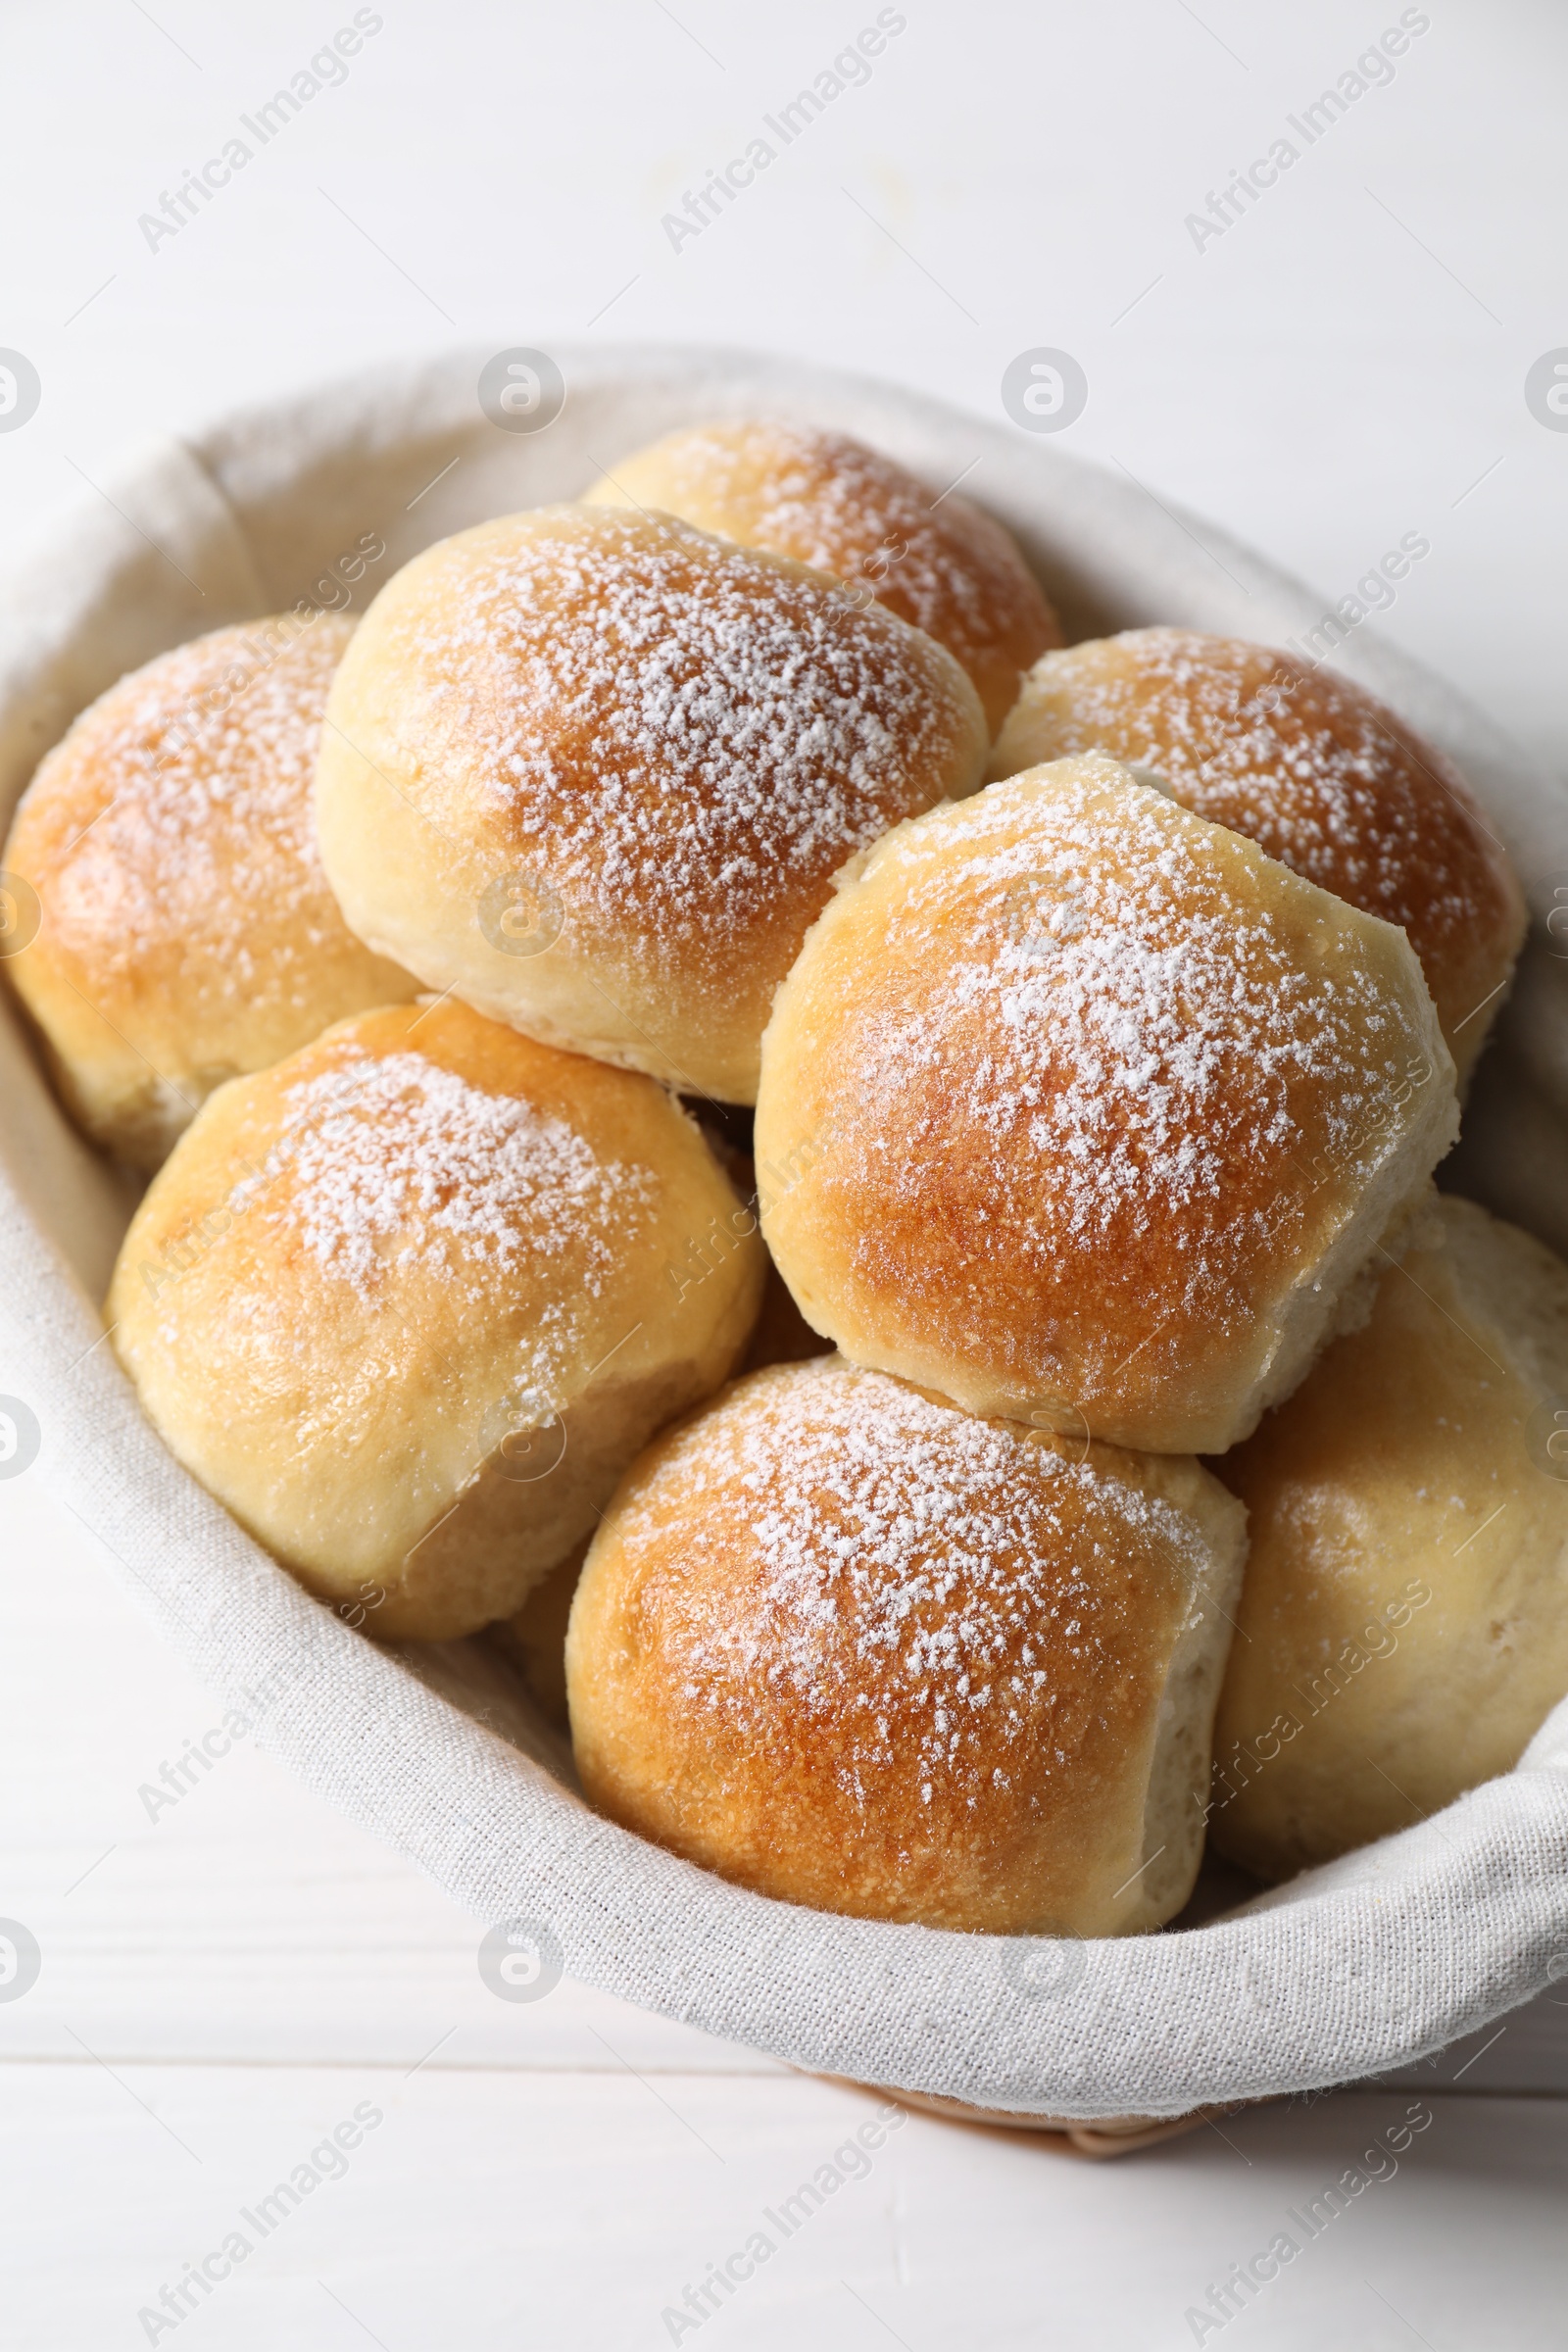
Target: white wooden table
[226,1980]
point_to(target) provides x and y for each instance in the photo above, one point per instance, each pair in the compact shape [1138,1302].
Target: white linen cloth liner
[1370,1963]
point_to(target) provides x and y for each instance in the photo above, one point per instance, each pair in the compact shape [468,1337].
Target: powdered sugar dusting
[934,1590]
[1103,1039]
[1305,763]
[829,501]
[676,733]
[397,1165]
[204,759]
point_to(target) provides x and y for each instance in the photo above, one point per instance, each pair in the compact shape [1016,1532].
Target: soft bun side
[595,772]
[408,1302]
[1081,1110]
[1404,1622]
[187,933]
[851,1647]
[1313,768]
[534,1641]
[936,559]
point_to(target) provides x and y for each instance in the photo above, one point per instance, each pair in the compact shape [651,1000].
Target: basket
[1368,1964]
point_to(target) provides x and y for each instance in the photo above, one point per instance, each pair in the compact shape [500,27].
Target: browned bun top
[677,727]
[1074,1104]
[682,740]
[189,931]
[831,501]
[188,782]
[424,1242]
[853,1647]
[1311,768]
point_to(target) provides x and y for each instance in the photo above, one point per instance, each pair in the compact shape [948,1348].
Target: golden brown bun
[1403,1627]
[1080,1109]
[851,1647]
[595,771]
[1316,771]
[188,933]
[830,501]
[407,1304]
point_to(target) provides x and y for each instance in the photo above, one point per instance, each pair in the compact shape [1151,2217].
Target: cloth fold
[1368,1964]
